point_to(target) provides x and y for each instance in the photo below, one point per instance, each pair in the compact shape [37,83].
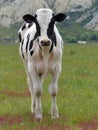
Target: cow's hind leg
[53,88]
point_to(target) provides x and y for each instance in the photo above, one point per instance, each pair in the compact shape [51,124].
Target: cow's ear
[28,18]
[59,17]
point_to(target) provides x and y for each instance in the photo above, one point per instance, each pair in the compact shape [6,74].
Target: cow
[41,51]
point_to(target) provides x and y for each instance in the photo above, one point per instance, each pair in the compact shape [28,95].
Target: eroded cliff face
[93,24]
[11,11]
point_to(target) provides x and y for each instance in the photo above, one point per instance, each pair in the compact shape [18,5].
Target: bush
[71,39]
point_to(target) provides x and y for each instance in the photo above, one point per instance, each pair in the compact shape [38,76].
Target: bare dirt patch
[15,93]
[53,127]
[11,120]
[89,125]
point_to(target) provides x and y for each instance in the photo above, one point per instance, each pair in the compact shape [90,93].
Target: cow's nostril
[42,42]
[45,42]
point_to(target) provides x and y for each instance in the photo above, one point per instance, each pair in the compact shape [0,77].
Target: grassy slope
[78,90]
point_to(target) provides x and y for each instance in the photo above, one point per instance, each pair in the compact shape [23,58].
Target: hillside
[11,11]
[82,15]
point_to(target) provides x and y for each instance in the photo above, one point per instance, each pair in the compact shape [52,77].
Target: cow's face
[45,20]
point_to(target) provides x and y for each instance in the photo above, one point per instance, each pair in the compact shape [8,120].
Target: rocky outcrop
[93,24]
[11,11]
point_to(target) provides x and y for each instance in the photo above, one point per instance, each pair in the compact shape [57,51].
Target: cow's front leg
[31,89]
[37,82]
[53,88]
[37,88]
[38,92]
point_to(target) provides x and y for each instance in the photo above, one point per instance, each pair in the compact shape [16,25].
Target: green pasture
[77,97]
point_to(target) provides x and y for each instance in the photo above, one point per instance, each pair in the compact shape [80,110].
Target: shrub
[71,39]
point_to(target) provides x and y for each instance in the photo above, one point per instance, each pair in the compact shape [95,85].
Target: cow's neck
[45,53]
[44,57]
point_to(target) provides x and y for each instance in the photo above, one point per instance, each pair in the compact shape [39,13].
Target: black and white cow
[41,50]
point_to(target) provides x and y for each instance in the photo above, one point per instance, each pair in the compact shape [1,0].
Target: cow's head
[45,20]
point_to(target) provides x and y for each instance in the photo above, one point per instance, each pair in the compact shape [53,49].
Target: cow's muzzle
[45,42]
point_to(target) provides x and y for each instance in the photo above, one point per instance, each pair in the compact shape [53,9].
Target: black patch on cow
[30,25]
[20,38]
[54,39]
[22,48]
[31,52]
[40,46]
[31,45]
[28,37]
[51,48]
[51,33]
[50,29]
[23,27]
[38,32]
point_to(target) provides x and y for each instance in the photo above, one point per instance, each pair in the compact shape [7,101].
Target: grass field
[77,97]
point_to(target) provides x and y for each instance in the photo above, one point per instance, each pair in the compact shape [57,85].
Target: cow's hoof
[55,116]
[38,117]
